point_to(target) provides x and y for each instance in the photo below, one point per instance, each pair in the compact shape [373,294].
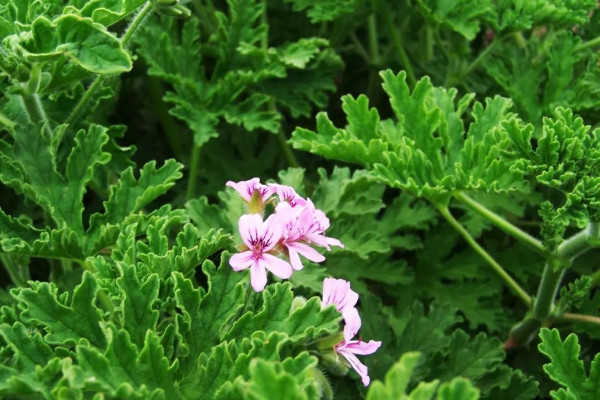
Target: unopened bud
[297,303]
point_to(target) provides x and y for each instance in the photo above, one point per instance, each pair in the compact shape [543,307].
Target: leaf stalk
[502,223]
[510,282]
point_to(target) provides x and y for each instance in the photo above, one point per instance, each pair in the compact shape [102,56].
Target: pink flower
[338,292]
[313,223]
[247,188]
[288,194]
[350,348]
[303,225]
[260,238]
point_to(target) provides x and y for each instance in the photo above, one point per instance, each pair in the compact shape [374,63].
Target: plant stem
[590,43]
[544,301]
[501,223]
[578,243]
[571,317]
[512,284]
[554,269]
[482,56]
[193,177]
[373,40]
[135,24]
[12,270]
[81,106]
[397,41]
[360,49]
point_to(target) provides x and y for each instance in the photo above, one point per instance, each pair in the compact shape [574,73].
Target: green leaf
[397,380]
[137,302]
[271,381]
[458,389]
[34,367]
[124,372]
[203,317]
[566,369]
[81,40]
[130,195]
[426,150]
[64,323]
[326,10]
[306,322]
[109,12]
[520,387]
[470,358]
[462,16]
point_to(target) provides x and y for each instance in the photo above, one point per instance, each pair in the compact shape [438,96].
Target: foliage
[456,205]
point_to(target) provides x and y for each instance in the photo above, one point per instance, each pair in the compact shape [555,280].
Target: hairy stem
[510,282]
[501,223]
[81,106]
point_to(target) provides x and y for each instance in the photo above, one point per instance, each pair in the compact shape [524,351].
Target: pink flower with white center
[247,188]
[288,194]
[338,292]
[260,238]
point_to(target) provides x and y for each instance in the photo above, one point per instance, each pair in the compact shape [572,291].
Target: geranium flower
[338,292]
[349,349]
[303,225]
[260,238]
[288,194]
[247,188]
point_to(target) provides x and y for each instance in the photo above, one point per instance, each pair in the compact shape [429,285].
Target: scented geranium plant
[188,212]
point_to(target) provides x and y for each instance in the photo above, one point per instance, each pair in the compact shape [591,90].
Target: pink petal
[244,188]
[338,292]
[352,323]
[241,261]
[362,348]
[272,230]
[307,251]
[295,259]
[251,228]
[258,277]
[280,268]
[355,363]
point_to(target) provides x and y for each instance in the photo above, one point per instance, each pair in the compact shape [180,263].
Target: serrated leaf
[306,322]
[64,323]
[87,44]
[567,369]
[204,315]
[139,315]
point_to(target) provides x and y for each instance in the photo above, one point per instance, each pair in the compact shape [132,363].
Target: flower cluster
[338,293]
[288,232]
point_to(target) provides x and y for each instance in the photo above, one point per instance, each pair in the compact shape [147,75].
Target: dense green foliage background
[452,144]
